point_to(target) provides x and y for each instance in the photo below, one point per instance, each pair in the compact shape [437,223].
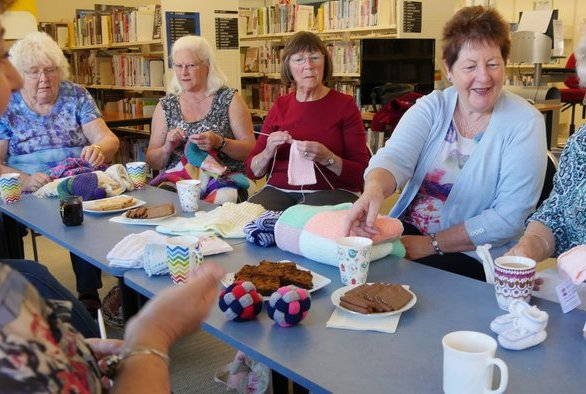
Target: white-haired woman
[558,224]
[49,119]
[200,109]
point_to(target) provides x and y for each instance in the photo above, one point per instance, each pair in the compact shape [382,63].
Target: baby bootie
[506,322]
[528,330]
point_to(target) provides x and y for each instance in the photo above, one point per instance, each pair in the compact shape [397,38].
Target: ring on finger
[305,153]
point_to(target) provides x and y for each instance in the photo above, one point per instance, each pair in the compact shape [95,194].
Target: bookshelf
[342,25]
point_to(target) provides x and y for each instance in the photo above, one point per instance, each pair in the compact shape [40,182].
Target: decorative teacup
[513,279]
[354,259]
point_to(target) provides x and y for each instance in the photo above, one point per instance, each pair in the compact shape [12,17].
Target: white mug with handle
[469,362]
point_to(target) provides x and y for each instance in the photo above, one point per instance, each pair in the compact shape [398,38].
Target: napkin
[349,321]
[128,252]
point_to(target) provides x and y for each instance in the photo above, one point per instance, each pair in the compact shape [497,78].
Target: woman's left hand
[314,151]
[206,141]
[93,154]
[103,348]
[417,246]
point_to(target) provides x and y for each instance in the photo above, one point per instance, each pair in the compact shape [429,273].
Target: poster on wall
[180,24]
[226,29]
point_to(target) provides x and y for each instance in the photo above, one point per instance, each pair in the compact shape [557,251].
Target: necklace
[469,127]
[196,100]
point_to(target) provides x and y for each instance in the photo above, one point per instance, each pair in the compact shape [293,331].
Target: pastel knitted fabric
[301,170]
[128,253]
[227,221]
[311,231]
[261,231]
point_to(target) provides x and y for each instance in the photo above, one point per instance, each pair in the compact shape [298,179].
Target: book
[145,20]
[157,23]
[251,60]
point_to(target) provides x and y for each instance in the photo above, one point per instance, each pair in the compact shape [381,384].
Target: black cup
[71,210]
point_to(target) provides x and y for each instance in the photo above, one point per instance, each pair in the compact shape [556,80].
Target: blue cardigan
[500,183]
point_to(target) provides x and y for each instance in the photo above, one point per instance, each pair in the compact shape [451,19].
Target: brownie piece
[297,277]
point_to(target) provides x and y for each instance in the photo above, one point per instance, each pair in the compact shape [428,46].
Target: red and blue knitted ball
[240,301]
[289,305]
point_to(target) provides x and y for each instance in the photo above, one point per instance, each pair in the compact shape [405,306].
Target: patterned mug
[183,256]
[513,279]
[354,259]
[189,191]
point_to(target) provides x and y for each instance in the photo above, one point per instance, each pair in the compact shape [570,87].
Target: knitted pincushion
[240,301]
[289,305]
[84,185]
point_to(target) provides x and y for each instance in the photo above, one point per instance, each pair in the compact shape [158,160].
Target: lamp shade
[530,47]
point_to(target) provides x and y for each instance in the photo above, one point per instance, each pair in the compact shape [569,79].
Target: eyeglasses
[35,74]
[189,66]
[315,58]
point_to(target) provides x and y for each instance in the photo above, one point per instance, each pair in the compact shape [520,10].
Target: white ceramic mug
[354,259]
[189,191]
[513,279]
[183,256]
[469,362]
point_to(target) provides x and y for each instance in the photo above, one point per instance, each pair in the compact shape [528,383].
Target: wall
[64,10]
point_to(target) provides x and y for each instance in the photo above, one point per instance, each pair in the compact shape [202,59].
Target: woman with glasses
[200,109]
[313,129]
[50,120]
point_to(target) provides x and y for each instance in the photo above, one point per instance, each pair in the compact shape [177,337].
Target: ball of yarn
[84,185]
[289,305]
[240,301]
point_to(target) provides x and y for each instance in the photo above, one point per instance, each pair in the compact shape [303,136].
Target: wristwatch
[331,161]
[222,145]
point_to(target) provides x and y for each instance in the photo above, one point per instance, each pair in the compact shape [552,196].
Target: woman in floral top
[558,224]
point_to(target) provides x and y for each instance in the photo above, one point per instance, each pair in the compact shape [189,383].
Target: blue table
[409,361]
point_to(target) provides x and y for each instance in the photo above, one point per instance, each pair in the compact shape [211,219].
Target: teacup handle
[504,375]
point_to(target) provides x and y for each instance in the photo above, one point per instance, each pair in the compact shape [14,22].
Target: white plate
[89,206]
[318,281]
[342,290]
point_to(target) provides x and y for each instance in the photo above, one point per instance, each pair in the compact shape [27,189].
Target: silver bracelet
[435,245]
[113,361]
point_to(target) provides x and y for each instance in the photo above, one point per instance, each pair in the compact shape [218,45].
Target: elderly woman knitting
[49,119]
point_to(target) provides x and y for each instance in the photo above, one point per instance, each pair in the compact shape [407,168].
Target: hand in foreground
[526,247]
[175,137]
[206,141]
[276,139]
[103,348]
[34,182]
[361,217]
[175,312]
[93,155]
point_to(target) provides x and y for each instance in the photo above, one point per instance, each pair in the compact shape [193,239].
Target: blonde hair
[37,48]
[199,47]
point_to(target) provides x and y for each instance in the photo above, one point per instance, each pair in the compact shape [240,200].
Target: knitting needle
[101,324]
[260,133]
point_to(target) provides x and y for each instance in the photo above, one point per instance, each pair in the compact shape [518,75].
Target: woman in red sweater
[313,128]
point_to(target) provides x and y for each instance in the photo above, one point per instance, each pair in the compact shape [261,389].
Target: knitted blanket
[311,231]
[227,221]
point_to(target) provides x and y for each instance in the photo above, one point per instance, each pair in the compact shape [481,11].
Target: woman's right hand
[275,140]
[34,182]
[175,137]
[361,218]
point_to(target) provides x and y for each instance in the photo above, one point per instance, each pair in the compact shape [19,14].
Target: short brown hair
[5,4]
[476,25]
[300,42]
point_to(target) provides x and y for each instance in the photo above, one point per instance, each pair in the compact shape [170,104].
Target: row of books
[329,15]
[106,24]
[131,149]
[266,59]
[262,95]
[121,69]
[280,18]
[136,106]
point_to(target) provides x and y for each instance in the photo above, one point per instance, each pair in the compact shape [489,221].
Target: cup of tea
[354,259]
[189,191]
[183,255]
[71,209]
[10,187]
[469,362]
[513,279]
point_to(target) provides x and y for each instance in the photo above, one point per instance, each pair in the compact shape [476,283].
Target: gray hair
[580,54]
[37,48]
[199,47]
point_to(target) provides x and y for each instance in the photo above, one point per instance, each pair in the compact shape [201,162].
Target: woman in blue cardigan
[470,160]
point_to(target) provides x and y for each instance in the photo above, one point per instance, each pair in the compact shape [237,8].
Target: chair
[552,166]
[572,95]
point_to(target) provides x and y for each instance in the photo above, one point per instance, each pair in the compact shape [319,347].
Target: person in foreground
[558,224]
[202,110]
[460,156]
[52,124]
[311,127]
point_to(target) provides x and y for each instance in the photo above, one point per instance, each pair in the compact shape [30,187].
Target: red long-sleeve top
[333,121]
